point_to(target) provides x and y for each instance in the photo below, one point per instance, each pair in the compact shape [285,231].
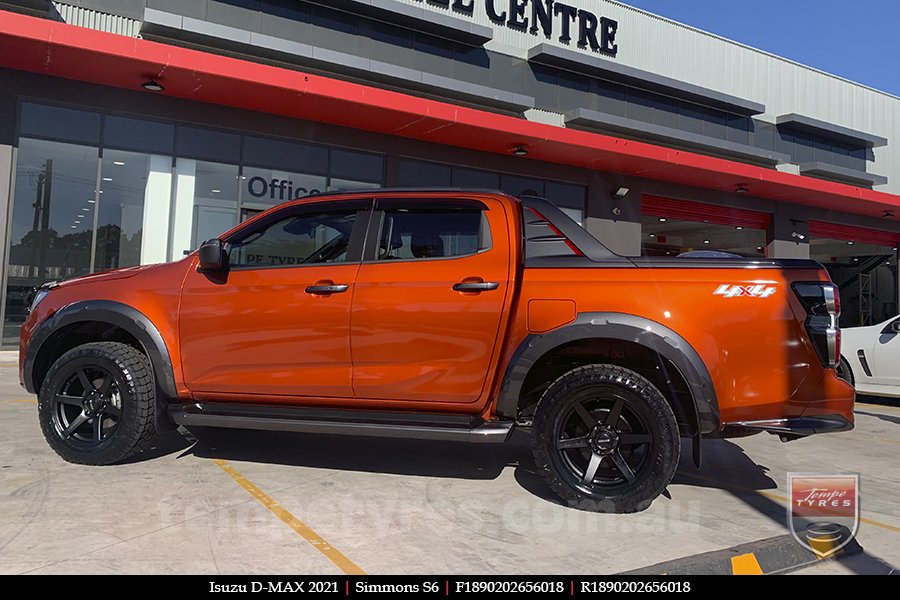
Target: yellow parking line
[745,564]
[317,541]
[783,499]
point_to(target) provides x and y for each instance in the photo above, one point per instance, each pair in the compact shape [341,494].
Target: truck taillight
[822,304]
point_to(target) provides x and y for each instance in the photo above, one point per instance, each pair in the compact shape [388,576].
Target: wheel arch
[620,330]
[99,319]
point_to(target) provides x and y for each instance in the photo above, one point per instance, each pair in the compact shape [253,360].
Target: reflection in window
[132,223]
[52,221]
[297,240]
[433,233]
[205,203]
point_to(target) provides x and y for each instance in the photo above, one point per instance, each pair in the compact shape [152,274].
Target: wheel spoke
[569,443]
[75,424]
[615,412]
[635,439]
[85,382]
[105,385]
[98,428]
[70,400]
[591,470]
[587,417]
[112,411]
[620,463]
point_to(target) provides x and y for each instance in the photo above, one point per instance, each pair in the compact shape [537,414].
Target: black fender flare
[617,326]
[115,313]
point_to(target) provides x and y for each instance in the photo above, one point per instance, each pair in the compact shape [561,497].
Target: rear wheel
[605,439]
[97,403]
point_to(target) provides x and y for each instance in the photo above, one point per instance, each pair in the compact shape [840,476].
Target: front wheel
[97,403]
[605,439]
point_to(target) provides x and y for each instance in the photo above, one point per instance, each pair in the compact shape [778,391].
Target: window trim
[357,234]
[373,233]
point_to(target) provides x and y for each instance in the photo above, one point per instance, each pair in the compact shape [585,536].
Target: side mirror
[213,258]
[895,326]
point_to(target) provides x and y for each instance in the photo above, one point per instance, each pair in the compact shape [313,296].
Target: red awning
[62,50]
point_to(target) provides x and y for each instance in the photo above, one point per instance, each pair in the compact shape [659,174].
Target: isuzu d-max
[447,315]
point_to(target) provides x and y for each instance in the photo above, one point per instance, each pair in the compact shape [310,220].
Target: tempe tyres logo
[824,511]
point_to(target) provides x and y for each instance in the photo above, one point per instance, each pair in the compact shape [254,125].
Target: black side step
[459,428]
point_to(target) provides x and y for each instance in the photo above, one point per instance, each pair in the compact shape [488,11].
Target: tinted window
[60,123]
[298,239]
[411,233]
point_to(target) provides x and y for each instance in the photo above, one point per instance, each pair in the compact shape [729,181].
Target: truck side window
[422,233]
[299,239]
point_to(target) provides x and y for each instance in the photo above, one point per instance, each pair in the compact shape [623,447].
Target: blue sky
[858,40]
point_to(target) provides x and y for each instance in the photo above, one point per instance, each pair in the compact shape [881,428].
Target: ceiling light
[91,201]
[759,248]
[107,179]
[216,191]
[705,241]
[76,222]
[101,191]
[850,243]
[855,260]
[738,227]
[520,151]
[152,86]
[653,235]
[741,189]
[620,193]
[119,163]
[888,214]
[74,227]
[662,219]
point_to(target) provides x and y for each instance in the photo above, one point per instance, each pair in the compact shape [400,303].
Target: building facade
[132,130]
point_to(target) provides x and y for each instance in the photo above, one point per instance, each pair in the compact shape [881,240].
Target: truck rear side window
[422,233]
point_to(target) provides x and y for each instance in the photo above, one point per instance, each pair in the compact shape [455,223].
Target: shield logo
[824,511]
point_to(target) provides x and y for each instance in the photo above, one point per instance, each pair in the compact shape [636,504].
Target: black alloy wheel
[86,406]
[97,403]
[605,439]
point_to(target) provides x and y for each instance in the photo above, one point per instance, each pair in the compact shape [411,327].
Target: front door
[278,322]
[429,299]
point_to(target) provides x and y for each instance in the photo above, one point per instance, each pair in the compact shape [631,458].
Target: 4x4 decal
[755,291]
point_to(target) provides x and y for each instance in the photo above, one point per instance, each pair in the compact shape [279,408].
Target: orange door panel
[262,333]
[415,337]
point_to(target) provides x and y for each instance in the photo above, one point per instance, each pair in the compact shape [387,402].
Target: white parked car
[870,358]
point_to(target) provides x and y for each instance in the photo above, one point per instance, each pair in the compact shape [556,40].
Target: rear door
[429,299]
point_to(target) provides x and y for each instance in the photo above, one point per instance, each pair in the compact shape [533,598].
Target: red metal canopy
[43,46]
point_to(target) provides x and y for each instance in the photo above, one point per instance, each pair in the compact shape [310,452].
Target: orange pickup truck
[445,315]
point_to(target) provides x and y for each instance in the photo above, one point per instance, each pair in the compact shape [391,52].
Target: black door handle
[333,288]
[475,286]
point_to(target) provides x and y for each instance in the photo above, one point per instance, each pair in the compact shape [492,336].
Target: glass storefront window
[132,227]
[264,188]
[569,197]
[52,222]
[206,203]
